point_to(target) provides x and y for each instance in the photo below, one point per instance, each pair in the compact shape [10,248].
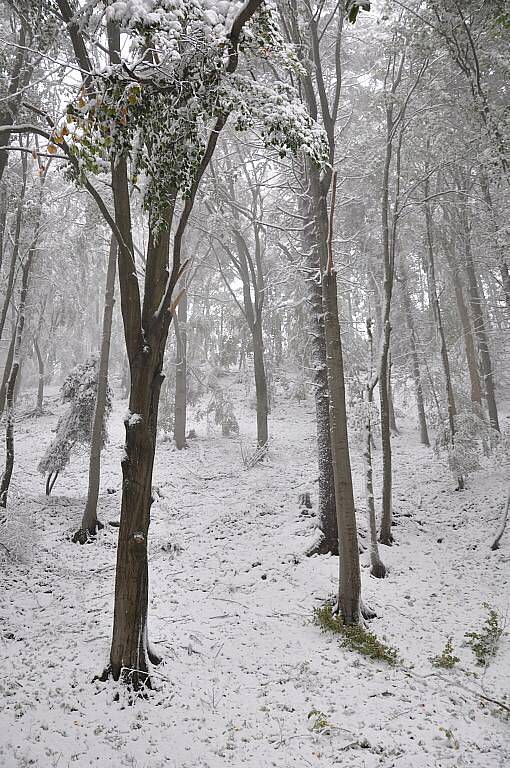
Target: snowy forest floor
[231,610]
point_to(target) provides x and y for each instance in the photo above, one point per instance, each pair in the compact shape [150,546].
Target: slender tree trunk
[14,371]
[7,370]
[181,373]
[415,361]
[16,245]
[90,524]
[3,221]
[19,77]
[467,331]
[315,239]
[349,592]
[385,534]
[450,397]
[393,422]
[378,569]
[480,330]
[39,408]
[9,437]
[260,383]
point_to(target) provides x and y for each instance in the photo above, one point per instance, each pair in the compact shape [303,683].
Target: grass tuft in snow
[356,637]
[484,644]
[446,659]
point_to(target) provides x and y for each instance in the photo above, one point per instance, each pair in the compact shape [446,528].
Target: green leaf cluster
[355,637]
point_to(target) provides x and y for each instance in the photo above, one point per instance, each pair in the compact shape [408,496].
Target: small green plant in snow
[446,659]
[355,637]
[484,644]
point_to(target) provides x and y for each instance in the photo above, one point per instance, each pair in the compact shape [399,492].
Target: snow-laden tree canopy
[174,80]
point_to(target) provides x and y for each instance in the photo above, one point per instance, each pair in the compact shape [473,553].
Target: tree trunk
[393,422]
[90,524]
[181,373]
[7,370]
[14,371]
[16,246]
[467,331]
[480,330]
[378,569]
[388,243]
[19,78]
[40,380]
[415,361]
[349,591]
[315,239]
[9,437]
[431,274]
[260,383]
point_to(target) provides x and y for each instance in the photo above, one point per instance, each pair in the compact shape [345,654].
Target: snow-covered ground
[231,610]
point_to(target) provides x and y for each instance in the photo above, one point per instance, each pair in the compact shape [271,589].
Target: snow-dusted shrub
[17,540]
[75,426]
[357,419]
[222,409]
[473,439]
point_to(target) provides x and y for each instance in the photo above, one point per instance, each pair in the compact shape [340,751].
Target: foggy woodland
[254,383]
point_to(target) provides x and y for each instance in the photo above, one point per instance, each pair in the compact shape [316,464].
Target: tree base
[87,535]
[367,612]
[378,570]
[322,547]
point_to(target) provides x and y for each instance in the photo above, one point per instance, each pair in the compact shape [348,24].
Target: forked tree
[162,123]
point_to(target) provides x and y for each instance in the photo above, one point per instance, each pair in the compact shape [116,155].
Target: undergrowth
[484,644]
[446,659]
[354,637]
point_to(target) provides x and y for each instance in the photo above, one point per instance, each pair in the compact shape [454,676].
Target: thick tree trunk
[349,592]
[260,383]
[181,373]
[129,651]
[415,361]
[90,524]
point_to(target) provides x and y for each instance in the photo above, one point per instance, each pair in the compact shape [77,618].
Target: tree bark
[415,360]
[14,371]
[90,523]
[431,274]
[39,407]
[480,329]
[260,383]
[315,245]
[467,330]
[16,245]
[181,373]
[349,591]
